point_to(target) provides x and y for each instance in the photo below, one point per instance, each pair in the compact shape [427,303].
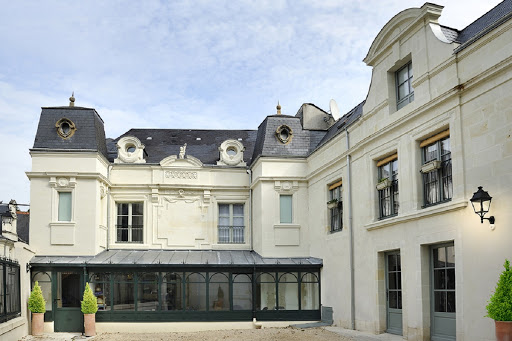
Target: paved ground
[277,334]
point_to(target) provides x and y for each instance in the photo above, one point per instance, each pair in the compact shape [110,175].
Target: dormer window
[404,90]
[284,134]
[130,150]
[231,153]
[65,128]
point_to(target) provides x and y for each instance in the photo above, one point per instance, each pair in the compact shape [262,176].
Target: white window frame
[402,102]
[130,219]
[232,230]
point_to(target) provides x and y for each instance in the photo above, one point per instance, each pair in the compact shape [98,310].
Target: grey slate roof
[23,227]
[175,258]
[451,34]
[89,135]
[490,20]
[343,122]
[167,142]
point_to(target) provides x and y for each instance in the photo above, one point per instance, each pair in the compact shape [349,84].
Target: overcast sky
[184,64]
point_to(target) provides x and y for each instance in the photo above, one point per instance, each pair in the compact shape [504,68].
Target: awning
[175,258]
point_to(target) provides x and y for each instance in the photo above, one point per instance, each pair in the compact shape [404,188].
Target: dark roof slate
[495,17]
[176,258]
[89,135]
[167,142]
[451,34]
[22,226]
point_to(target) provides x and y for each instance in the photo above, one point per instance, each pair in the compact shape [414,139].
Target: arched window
[288,289]
[171,291]
[219,291]
[45,282]
[195,291]
[309,292]
[242,292]
[266,291]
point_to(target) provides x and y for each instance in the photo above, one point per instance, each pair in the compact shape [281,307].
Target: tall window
[231,224]
[388,186]
[404,90]
[130,222]
[285,209]
[10,298]
[64,206]
[335,206]
[437,169]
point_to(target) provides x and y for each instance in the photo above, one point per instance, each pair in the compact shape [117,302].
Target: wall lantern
[481,202]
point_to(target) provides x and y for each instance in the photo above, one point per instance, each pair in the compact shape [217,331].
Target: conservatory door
[68,316]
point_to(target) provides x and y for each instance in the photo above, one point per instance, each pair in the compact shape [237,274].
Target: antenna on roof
[335,111]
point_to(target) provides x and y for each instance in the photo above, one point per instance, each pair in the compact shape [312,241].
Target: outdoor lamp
[481,202]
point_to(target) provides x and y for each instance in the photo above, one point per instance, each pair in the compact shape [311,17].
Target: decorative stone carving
[130,150]
[103,191]
[284,134]
[231,153]
[182,151]
[65,128]
[286,186]
[62,182]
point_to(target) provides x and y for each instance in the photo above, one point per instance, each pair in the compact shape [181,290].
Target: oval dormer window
[284,134]
[65,128]
[231,151]
[130,148]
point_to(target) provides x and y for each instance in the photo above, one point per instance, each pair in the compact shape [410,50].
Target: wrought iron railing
[231,234]
[10,298]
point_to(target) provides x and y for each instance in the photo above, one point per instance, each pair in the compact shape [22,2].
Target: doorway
[394,293]
[68,315]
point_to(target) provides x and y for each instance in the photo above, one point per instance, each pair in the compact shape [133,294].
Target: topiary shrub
[36,302]
[89,304]
[500,304]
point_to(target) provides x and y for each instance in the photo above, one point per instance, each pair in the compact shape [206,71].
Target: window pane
[238,210]
[102,293]
[309,296]
[265,296]
[195,296]
[440,301]
[223,210]
[403,90]
[122,209]
[393,299]
[224,221]
[124,296]
[403,75]
[137,221]
[219,296]
[64,206]
[242,292]
[285,209]
[172,292]
[450,301]
[288,296]
[147,299]
[137,209]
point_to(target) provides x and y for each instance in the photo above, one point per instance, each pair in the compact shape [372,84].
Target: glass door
[394,293]
[68,315]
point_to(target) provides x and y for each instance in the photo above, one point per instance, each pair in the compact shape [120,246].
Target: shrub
[36,302]
[89,304]
[500,304]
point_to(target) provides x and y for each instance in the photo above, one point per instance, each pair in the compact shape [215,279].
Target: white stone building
[368,214]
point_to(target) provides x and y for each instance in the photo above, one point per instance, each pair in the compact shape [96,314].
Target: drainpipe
[108,209]
[250,207]
[350,227]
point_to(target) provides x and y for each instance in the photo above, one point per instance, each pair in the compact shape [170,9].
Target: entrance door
[394,293]
[68,315]
[443,292]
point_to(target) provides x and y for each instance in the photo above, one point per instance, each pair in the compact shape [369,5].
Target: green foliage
[89,304]
[36,302]
[500,304]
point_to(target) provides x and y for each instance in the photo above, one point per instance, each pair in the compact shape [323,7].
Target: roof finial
[72,100]
[278,108]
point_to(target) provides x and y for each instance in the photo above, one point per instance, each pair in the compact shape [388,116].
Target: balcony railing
[231,234]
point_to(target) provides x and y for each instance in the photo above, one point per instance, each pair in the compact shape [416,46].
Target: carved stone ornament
[65,128]
[130,150]
[231,153]
[284,134]
[62,182]
[103,191]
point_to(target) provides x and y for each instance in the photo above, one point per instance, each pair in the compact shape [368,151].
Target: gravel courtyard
[281,334]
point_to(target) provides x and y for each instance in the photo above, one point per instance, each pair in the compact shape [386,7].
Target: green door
[442,277]
[68,316]
[394,293]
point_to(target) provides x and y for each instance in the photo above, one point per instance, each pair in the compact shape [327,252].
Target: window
[285,207]
[231,224]
[10,298]
[404,90]
[64,206]
[130,222]
[335,205]
[388,186]
[437,169]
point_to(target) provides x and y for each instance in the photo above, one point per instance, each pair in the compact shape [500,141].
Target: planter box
[383,184]
[332,204]
[90,324]
[431,166]
[503,330]
[37,323]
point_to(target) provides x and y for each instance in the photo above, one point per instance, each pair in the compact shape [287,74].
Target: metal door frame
[386,270]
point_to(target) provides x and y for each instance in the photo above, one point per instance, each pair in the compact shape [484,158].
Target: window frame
[129,227]
[402,102]
[10,299]
[390,192]
[336,213]
[59,192]
[233,231]
[442,173]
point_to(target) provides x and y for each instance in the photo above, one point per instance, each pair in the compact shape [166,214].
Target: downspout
[350,227]
[250,207]
[108,209]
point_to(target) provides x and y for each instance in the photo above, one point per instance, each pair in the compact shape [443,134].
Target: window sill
[429,211]
[12,324]
[294,226]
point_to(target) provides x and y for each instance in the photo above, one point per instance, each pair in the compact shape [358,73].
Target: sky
[184,64]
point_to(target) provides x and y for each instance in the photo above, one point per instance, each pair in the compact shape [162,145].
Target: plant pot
[503,330]
[37,323]
[90,324]
[385,183]
[331,205]
[431,166]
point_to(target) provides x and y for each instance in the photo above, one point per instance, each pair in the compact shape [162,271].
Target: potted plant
[89,309]
[383,183]
[332,203]
[37,305]
[500,305]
